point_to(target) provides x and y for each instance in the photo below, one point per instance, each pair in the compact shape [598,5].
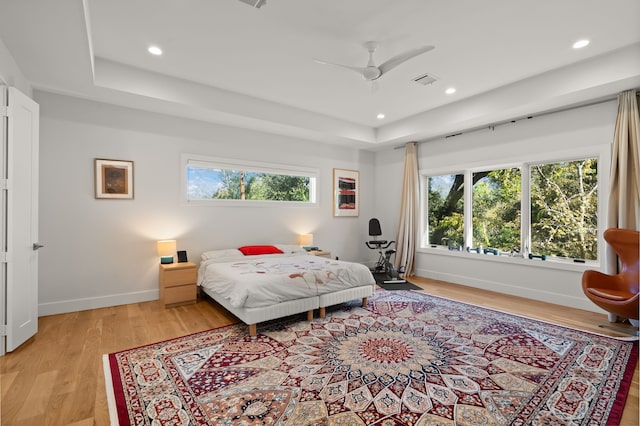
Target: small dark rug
[381,278]
[399,286]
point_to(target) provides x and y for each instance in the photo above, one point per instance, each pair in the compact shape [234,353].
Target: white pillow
[215,254]
[291,249]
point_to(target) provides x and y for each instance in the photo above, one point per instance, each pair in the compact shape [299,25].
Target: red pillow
[253,250]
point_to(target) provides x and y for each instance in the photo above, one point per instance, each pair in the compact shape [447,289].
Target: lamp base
[166,259]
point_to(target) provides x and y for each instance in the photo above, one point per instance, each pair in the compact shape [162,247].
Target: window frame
[601,152]
[248,166]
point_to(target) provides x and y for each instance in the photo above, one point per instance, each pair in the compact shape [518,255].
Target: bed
[261,283]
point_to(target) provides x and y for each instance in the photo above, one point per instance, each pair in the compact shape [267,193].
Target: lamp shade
[306,240]
[166,249]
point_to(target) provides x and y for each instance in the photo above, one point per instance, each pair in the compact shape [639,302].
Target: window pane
[204,183]
[265,186]
[564,201]
[496,209]
[446,210]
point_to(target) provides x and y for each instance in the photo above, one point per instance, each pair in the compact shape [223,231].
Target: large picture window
[215,179]
[559,200]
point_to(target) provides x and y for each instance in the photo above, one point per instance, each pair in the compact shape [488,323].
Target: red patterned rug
[405,359]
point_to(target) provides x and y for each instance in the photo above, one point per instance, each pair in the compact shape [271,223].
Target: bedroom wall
[10,73]
[560,133]
[103,253]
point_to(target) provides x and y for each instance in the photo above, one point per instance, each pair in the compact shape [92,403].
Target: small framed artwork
[114,179]
[346,190]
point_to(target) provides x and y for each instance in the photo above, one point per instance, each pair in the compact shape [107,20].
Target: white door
[20,207]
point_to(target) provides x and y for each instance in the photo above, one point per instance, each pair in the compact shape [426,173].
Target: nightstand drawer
[178,283]
[177,277]
[180,294]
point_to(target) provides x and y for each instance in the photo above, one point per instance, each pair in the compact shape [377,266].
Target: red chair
[617,294]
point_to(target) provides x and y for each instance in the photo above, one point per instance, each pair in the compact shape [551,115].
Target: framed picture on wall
[114,179]
[346,192]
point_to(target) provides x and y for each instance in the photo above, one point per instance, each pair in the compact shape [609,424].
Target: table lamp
[306,241]
[166,250]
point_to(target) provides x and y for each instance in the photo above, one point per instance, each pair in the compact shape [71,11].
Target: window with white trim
[445,212]
[211,180]
[542,209]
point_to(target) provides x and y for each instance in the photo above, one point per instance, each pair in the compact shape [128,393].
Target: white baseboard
[505,288]
[74,305]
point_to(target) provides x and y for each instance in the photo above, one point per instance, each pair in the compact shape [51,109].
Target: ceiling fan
[371,72]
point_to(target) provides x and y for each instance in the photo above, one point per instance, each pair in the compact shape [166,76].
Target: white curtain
[407,228]
[624,194]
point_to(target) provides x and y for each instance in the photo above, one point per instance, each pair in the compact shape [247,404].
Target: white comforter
[255,281]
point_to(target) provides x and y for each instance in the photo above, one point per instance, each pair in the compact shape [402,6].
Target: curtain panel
[409,208]
[624,194]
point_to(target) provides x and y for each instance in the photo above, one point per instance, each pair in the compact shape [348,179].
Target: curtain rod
[513,120]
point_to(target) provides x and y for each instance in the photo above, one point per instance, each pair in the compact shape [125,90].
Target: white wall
[10,73]
[563,133]
[102,252]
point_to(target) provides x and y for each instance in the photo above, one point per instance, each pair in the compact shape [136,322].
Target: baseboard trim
[529,293]
[74,305]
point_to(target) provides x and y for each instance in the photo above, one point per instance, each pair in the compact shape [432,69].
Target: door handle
[37,246]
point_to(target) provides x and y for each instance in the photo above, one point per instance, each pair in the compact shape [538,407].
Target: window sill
[565,265]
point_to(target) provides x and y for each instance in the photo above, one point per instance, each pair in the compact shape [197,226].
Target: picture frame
[346,193]
[113,179]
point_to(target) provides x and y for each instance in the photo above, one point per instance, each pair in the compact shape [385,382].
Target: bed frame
[252,316]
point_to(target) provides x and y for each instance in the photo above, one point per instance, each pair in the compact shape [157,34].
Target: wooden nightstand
[321,253]
[178,283]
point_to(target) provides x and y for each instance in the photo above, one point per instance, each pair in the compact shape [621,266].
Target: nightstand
[321,253]
[178,283]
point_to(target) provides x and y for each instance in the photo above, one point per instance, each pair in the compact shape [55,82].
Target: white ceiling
[227,62]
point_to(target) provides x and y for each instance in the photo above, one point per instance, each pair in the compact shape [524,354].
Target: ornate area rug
[405,359]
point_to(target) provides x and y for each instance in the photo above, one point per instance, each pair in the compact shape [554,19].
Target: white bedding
[258,281]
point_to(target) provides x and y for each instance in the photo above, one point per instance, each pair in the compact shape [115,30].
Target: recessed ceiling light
[450,91]
[155,50]
[580,44]
[380,116]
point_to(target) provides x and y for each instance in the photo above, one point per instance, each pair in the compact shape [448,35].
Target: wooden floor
[56,378]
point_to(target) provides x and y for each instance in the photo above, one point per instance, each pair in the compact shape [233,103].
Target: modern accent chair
[617,294]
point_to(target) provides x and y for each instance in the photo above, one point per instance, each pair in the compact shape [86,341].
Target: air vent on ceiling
[255,3]
[425,79]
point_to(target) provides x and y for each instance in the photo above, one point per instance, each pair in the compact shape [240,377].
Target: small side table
[321,253]
[178,284]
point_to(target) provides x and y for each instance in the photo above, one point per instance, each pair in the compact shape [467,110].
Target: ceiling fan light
[371,73]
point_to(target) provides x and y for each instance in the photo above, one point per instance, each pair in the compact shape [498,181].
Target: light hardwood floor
[56,378]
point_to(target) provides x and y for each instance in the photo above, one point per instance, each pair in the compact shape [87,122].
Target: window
[211,180]
[542,208]
[564,203]
[496,210]
[445,212]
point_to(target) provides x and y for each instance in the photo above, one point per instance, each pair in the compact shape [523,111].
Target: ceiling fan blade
[403,57]
[359,70]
